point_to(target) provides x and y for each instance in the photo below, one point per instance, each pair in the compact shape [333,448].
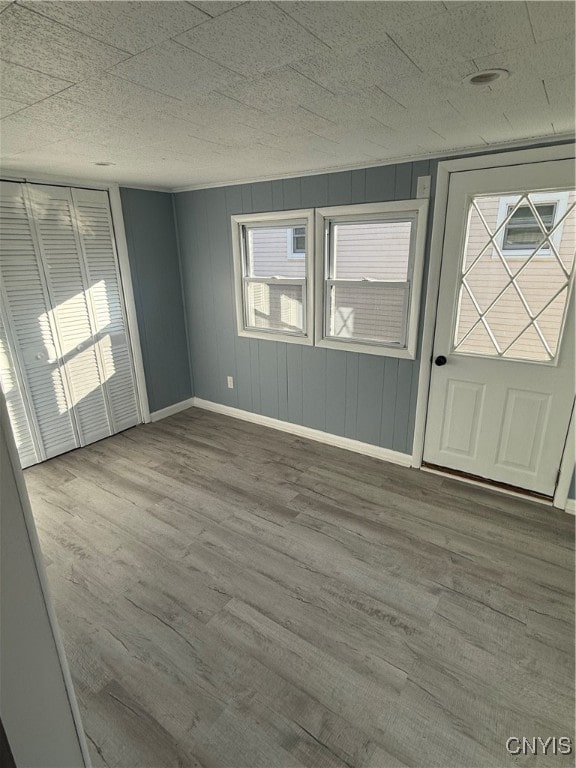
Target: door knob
[440,360]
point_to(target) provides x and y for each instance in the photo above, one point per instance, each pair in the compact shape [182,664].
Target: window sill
[368,349]
[518,254]
[288,338]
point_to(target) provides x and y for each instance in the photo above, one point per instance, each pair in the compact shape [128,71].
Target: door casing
[445,169]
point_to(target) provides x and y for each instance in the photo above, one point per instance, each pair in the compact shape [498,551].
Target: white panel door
[68,287]
[502,386]
[36,392]
[96,236]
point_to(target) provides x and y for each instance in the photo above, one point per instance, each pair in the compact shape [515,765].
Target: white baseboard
[375,451]
[395,457]
[171,409]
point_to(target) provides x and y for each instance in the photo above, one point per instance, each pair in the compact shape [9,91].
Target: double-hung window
[366,264]
[273,280]
[369,276]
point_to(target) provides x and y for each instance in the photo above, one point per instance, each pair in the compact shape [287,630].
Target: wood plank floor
[231,596]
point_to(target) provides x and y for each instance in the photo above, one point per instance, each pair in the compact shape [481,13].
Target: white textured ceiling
[180,93]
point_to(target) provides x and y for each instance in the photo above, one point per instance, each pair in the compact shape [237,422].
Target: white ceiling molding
[25,175]
[187,95]
[73,181]
[521,144]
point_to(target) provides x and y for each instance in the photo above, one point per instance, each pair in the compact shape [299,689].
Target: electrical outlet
[230,380]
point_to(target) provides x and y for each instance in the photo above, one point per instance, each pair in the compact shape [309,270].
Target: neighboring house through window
[528,226]
[297,243]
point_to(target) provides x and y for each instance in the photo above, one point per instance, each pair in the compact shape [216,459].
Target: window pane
[377,250]
[523,230]
[518,316]
[269,251]
[275,307]
[299,240]
[524,215]
[369,312]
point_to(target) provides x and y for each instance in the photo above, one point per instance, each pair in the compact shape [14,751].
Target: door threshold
[483,482]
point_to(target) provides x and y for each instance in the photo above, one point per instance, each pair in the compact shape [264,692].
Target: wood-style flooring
[231,596]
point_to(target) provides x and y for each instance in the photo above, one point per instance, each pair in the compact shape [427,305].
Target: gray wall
[154,263]
[36,692]
[572,490]
[365,397]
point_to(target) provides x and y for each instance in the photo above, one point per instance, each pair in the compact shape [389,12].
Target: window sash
[247,281]
[278,224]
[330,279]
[330,283]
[330,251]
[268,294]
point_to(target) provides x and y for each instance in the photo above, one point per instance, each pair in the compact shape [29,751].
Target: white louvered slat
[65,359]
[26,316]
[67,286]
[96,235]
[15,404]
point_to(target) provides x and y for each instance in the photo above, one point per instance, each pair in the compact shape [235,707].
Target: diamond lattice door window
[516,271]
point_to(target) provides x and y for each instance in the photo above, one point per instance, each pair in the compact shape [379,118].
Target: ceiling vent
[486,77]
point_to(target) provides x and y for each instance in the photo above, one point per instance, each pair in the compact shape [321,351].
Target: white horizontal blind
[27,320]
[369,311]
[60,249]
[96,236]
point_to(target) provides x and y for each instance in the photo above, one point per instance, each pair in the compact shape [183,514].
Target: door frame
[444,171]
[47,643]
[117,214]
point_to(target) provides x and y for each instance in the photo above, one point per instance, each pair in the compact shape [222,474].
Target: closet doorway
[66,362]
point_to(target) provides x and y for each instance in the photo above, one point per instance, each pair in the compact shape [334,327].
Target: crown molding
[484,149]
[31,177]
[24,174]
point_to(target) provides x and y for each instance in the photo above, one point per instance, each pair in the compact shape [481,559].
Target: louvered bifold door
[24,433]
[69,288]
[38,400]
[96,235]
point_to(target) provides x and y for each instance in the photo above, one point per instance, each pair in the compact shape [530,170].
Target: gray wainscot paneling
[360,396]
[155,268]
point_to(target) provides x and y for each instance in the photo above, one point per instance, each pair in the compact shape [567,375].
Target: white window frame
[304,217]
[292,254]
[559,199]
[400,210]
